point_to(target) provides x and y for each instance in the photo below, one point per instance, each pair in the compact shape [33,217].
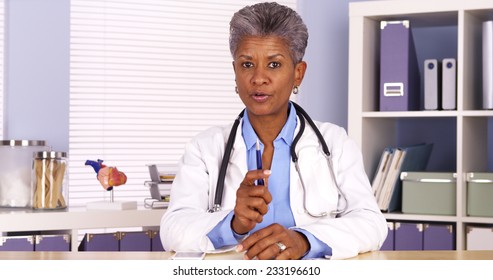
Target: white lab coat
[360,228]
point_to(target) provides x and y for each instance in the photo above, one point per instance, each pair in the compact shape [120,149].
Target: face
[265,75]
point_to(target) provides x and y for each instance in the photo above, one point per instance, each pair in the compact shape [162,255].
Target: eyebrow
[249,57]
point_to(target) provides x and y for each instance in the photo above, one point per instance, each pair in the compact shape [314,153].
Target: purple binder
[439,237]
[17,243]
[52,243]
[100,242]
[399,71]
[408,236]
[135,241]
[156,244]
[388,244]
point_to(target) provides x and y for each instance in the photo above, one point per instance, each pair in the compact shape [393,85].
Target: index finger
[253,175]
[254,238]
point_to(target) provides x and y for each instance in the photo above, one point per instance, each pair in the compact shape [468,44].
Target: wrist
[305,244]
[237,229]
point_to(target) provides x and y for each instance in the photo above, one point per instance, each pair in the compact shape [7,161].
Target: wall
[37,70]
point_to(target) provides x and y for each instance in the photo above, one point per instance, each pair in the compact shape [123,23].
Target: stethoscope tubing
[302,116]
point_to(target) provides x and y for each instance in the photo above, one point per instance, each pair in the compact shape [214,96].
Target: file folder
[156,244]
[438,237]
[479,237]
[388,244]
[60,243]
[135,241]
[408,236]
[17,243]
[100,242]
[399,71]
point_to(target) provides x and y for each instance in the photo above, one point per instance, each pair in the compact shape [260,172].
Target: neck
[268,127]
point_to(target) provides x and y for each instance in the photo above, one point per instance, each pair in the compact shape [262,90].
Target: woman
[284,218]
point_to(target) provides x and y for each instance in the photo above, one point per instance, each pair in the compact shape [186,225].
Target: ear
[299,72]
[233,63]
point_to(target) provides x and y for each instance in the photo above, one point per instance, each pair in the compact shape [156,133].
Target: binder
[449,84]
[432,84]
[438,237]
[390,180]
[399,71]
[411,158]
[487,65]
[382,170]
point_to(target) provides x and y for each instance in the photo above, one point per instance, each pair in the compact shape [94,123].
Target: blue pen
[259,163]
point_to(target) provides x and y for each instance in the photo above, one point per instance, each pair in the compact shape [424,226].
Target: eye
[247,64]
[274,64]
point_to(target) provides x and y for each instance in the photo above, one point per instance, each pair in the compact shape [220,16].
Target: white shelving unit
[74,220]
[374,130]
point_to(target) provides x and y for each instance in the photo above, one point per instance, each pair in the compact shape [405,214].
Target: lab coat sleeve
[361,227]
[185,225]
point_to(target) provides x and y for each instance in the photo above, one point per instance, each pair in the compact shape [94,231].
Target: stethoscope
[302,116]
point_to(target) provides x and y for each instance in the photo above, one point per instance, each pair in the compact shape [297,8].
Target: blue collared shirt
[279,184]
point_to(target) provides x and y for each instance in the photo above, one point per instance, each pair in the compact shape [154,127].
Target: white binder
[449,84]
[487,65]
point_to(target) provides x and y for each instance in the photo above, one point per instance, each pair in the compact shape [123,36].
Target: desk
[377,255]
[425,255]
[74,219]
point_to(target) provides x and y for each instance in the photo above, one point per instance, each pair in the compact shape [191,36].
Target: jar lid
[49,154]
[23,143]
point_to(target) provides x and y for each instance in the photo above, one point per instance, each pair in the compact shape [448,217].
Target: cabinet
[461,137]
[75,220]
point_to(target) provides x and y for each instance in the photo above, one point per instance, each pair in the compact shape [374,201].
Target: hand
[262,244]
[251,202]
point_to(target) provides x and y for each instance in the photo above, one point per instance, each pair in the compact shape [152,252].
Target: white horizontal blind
[146,76]
[2,77]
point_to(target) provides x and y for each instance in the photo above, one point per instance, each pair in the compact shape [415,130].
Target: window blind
[145,77]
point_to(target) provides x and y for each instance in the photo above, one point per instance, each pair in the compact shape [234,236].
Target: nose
[259,77]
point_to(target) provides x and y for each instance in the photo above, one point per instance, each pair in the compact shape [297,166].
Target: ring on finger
[281,246]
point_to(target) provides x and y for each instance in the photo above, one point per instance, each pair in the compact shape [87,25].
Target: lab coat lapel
[236,171]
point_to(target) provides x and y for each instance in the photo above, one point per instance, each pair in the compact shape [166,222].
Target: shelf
[73,220]
[413,217]
[463,138]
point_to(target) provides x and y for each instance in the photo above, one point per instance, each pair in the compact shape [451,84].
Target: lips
[260,97]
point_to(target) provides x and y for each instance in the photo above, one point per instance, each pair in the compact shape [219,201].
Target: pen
[259,163]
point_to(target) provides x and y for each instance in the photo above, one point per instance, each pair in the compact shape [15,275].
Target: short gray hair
[269,19]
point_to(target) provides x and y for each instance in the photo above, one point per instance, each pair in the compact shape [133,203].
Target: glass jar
[15,171]
[49,180]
